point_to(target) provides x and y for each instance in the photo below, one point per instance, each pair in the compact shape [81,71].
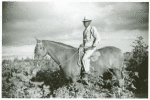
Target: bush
[139,63]
[34,79]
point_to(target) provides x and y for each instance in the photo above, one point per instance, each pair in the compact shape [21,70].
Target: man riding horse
[90,40]
[105,58]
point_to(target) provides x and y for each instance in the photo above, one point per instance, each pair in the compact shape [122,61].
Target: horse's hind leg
[119,76]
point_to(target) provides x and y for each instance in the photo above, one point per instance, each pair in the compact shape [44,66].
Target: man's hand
[93,45]
[81,45]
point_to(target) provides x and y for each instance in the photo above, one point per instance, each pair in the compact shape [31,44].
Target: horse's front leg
[76,85]
[74,81]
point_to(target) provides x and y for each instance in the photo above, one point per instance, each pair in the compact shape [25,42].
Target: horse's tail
[123,69]
[122,75]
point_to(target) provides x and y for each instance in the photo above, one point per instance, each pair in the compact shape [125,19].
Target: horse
[67,58]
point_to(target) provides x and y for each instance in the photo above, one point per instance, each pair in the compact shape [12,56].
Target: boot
[85,78]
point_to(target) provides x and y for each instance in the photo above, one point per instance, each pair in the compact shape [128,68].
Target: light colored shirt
[90,37]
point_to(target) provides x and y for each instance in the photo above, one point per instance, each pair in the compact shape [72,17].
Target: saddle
[93,57]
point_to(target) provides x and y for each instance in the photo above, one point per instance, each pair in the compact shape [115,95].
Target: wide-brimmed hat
[86,19]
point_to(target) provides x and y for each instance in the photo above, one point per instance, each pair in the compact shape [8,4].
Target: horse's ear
[37,40]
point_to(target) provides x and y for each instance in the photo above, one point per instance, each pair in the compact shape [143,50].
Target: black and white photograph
[62,49]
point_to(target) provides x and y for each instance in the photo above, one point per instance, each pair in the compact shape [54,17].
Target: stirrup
[84,72]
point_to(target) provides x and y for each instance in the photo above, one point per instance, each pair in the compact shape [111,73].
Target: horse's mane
[60,44]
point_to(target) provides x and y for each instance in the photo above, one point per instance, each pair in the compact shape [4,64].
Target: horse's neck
[59,53]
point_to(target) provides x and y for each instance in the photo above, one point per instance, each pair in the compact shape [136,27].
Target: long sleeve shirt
[90,37]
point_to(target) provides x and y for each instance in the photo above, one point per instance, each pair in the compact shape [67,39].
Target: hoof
[85,82]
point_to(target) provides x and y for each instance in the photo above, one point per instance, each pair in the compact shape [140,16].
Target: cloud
[62,22]
[16,11]
[41,19]
[128,16]
[18,50]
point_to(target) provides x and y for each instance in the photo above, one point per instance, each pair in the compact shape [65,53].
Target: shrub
[139,63]
[34,79]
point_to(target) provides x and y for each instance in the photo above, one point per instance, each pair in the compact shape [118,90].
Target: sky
[117,23]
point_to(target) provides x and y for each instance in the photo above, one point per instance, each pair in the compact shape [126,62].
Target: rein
[68,59]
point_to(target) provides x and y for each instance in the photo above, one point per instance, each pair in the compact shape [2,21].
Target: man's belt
[89,48]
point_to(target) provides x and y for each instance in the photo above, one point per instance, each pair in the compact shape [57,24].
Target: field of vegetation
[28,78]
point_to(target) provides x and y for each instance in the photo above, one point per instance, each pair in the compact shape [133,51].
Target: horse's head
[40,51]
